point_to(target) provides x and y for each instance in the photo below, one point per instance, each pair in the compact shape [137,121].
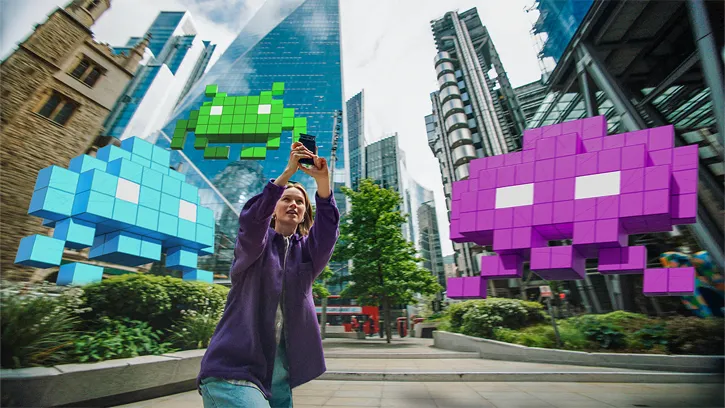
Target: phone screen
[309,142]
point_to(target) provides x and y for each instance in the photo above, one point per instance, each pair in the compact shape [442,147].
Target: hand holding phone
[309,142]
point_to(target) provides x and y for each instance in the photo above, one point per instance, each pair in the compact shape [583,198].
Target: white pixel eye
[216,110]
[597,185]
[127,190]
[515,196]
[264,109]
[187,210]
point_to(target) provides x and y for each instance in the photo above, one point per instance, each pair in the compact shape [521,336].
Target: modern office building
[177,59]
[474,115]
[296,42]
[428,240]
[530,97]
[559,19]
[383,163]
[356,138]
[58,87]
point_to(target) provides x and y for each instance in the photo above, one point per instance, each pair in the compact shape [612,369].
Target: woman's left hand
[319,170]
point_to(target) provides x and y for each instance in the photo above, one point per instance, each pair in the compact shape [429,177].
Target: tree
[319,290]
[385,269]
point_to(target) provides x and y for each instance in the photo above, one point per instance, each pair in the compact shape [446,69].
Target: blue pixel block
[77,234]
[181,258]
[110,153]
[96,204]
[190,193]
[138,146]
[51,204]
[199,275]
[127,169]
[161,156]
[58,178]
[152,178]
[84,163]
[97,180]
[39,251]
[78,273]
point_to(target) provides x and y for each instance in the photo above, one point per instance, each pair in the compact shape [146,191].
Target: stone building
[57,88]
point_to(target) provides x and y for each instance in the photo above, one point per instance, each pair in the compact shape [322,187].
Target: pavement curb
[600,377]
[402,356]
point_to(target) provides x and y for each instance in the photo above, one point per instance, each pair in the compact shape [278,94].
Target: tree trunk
[323,318]
[386,312]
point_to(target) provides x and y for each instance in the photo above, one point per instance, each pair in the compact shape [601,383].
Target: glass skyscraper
[356,138]
[176,58]
[291,41]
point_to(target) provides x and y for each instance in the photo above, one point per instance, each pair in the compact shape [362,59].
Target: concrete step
[582,376]
[401,355]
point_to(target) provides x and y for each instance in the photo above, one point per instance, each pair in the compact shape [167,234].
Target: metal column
[586,89]
[709,60]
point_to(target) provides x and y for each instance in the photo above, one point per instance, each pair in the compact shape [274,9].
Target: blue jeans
[218,393]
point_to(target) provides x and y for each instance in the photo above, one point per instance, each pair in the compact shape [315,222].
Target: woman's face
[290,208]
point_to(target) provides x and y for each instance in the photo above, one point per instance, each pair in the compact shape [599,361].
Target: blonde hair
[303,228]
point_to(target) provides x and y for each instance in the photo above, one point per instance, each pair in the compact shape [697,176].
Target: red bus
[340,312]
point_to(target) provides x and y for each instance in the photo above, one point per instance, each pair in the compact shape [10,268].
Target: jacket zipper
[284,309]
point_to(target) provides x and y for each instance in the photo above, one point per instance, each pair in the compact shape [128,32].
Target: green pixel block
[213,130]
[226,119]
[179,133]
[265,97]
[237,129]
[247,153]
[275,129]
[218,101]
[215,120]
[273,142]
[300,122]
[228,110]
[222,152]
[263,119]
[240,109]
[181,124]
[238,119]
[210,153]
[193,115]
[212,90]
[201,130]
[249,128]
[177,143]
[204,120]
[278,88]
[275,119]
[262,128]
[249,119]
[225,129]
[200,143]
[222,94]
[252,100]
[230,100]
[241,100]
[192,124]
[207,103]
[288,112]
[288,123]
[260,152]
[205,111]
[277,109]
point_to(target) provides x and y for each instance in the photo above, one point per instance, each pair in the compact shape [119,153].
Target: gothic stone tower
[57,88]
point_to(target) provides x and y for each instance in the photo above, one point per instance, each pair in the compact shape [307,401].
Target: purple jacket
[243,346]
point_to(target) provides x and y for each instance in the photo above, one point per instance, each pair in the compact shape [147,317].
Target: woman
[268,340]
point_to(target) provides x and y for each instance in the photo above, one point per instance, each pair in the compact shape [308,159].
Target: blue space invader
[127,206]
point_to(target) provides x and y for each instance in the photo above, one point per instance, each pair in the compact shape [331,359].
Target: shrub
[649,337]
[122,338]
[456,311]
[194,329]
[543,336]
[693,335]
[605,334]
[38,324]
[158,300]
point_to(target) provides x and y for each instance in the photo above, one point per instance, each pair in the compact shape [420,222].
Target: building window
[87,71]
[58,108]
[92,4]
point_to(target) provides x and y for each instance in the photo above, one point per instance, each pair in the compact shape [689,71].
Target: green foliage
[121,338]
[38,324]
[319,286]
[158,300]
[648,337]
[543,336]
[693,335]
[606,334]
[194,329]
[481,317]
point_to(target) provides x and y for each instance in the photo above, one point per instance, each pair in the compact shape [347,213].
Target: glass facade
[382,163]
[294,42]
[356,139]
[162,29]
[559,19]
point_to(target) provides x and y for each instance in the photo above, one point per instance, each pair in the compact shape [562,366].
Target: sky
[387,51]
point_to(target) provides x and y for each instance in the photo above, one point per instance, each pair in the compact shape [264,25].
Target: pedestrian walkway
[353,394]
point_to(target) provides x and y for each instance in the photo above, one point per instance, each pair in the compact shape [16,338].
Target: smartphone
[309,142]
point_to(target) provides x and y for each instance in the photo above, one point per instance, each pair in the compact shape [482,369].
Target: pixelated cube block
[504,218]
[204,216]
[564,189]
[468,224]
[685,157]
[610,233]
[58,178]
[469,201]
[524,173]
[613,141]
[526,238]
[138,146]
[565,263]
[187,210]
[204,235]
[99,181]
[655,282]
[181,258]
[514,196]
[78,273]
[147,222]
[454,288]
[84,163]
[455,209]
[211,90]
[77,234]
[503,239]
[110,153]
[607,207]
[609,160]
[510,266]
[585,209]
[198,275]
[490,266]
[512,159]
[681,281]
[544,170]
[563,212]
[485,220]
[175,174]
[684,181]
[529,156]
[506,177]
[170,204]
[684,208]
[206,251]
[568,144]
[150,248]
[494,162]
[458,188]
[586,164]
[551,130]
[594,127]
[565,167]
[626,260]
[140,160]
[656,202]
[150,198]
[543,214]
[126,169]
[531,136]
[545,148]
[540,258]
[187,232]
[161,156]
[123,242]
[523,216]
[634,157]
[277,88]
[93,206]
[638,137]
[39,251]
[485,200]
[474,287]
[124,212]
[171,186]
[661,138]
[152,178]
[659,157]
[127,191]
[51,204]
[593,145]
[632,180]
[584,232]
[486,179]
[168,224]
[544,192]
[657,177]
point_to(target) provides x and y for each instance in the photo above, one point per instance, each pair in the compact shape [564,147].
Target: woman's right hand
[299,151]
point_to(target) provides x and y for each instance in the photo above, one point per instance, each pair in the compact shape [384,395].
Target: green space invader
[230,119]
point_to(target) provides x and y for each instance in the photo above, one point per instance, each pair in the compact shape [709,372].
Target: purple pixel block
[635,182]
[454,288]
[474,287]
[669,282]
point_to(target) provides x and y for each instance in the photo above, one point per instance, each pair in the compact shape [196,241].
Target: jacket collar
[294,237]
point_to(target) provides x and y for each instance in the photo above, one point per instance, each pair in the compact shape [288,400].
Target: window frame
[91,67]
[62,106]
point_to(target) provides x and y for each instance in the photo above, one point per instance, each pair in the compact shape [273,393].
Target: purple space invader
[572,181]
